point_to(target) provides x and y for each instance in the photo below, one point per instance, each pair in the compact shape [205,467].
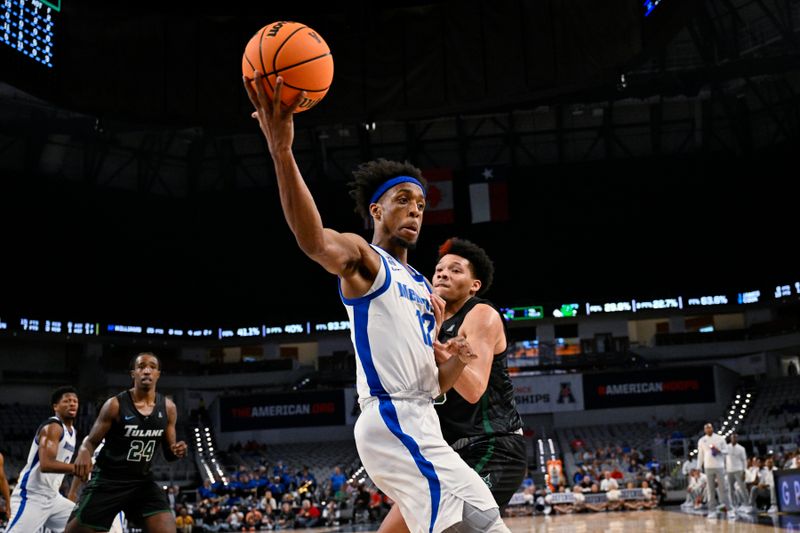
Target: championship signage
[649,387]
[548,394]
[276,411]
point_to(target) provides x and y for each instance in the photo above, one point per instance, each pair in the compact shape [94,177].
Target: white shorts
[36,511]
[401,446]
[116,526]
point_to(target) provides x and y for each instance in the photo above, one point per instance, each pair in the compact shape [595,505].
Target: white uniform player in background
[735,465]
[36,501]
[117,525]
[711,451]
[394,321]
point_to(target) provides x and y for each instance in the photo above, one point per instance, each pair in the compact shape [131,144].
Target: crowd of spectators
[277,497]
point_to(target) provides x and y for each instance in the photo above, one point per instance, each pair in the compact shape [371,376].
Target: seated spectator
[608,483]
[276,487]
[268,503]
[330,515]
[235,519]
[765,487]
[650,497]
[599,506]
[184,521]
[563,508]
[632,505]
[751,473]
[306,479]
[206,492]
[285,518]
[376,506]
[308,515]
[696,489]
[252,519]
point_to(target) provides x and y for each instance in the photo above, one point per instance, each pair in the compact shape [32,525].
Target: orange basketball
[295,52]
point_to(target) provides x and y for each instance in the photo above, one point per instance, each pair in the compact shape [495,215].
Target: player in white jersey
[394,322]
[77,483]
[36,501]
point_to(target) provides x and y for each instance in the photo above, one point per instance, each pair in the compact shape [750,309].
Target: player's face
[402,208]
[145,372]
[709,429]
[67,406]
[453,279]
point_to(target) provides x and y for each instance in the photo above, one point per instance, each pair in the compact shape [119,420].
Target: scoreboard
[29,26]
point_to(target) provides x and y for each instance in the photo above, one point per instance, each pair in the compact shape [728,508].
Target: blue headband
[391,183]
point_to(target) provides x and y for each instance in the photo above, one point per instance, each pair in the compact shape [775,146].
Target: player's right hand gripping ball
[295,52]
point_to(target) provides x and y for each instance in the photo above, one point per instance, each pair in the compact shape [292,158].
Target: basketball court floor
[666,521]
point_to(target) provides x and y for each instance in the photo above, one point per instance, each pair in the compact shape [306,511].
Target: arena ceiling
[651,153]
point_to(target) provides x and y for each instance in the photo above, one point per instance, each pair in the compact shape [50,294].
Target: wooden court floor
[630,521]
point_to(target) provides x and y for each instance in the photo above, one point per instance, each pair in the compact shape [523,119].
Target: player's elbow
[472,396]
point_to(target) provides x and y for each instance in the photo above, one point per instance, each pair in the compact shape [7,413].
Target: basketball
[297,53]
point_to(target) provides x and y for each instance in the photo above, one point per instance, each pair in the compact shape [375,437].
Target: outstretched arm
[172,450]
[343,254]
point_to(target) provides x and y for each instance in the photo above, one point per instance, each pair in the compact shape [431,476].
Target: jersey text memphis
[392,328]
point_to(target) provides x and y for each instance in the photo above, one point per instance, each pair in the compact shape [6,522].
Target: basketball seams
[284,69]
[280,47]
[261,57]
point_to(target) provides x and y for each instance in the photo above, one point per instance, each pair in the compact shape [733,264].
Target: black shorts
[102,499]
[501,461]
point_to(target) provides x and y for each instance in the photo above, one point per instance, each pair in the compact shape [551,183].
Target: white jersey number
[141,450]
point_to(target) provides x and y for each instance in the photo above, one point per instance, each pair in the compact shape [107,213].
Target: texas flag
[439,197]
[488,193]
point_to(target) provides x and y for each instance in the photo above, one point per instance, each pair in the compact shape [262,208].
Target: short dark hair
[59,393]
[135,357]
[480,264]
[370,175]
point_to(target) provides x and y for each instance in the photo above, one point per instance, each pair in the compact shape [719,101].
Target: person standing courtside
[711,450]
[735,465]
[394,319]
[134,424]
[36,501]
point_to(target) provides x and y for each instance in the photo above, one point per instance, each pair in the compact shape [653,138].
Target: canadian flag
[439,197]
[488,193]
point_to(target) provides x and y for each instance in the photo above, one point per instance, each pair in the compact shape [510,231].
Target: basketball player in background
[394,318]
[133,423]
[5,492]
[478,416]
[36,502]
[711,452]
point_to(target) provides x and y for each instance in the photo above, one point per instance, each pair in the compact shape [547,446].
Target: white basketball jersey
[392,329]
[31,479]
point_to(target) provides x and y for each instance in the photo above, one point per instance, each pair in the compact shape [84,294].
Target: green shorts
[102,499]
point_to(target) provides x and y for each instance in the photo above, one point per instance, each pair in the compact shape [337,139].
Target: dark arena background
[630,166]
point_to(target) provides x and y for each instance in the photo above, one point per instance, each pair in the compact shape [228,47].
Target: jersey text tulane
[132,441]
[392,329]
